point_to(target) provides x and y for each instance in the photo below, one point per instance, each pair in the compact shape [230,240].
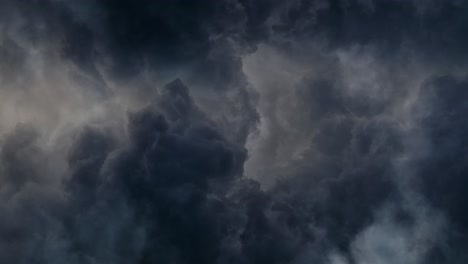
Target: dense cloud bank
[233,131]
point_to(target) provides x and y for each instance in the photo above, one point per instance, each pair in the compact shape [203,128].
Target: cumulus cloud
[233,131]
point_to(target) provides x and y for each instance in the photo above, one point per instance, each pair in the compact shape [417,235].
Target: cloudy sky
[233,131]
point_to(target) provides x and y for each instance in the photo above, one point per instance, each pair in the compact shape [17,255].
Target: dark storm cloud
[348,174]
[28,198]
[442,176]
[179,32]
[172,179]
[353,156]
[166,196]
[432,28]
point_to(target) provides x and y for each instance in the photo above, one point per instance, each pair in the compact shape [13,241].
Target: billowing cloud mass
[233,131]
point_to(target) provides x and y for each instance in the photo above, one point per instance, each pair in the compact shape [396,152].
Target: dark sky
[233,131]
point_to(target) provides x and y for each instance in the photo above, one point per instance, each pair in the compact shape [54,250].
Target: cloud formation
[233,131]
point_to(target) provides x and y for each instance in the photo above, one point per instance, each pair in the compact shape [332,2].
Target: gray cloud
[232,131]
